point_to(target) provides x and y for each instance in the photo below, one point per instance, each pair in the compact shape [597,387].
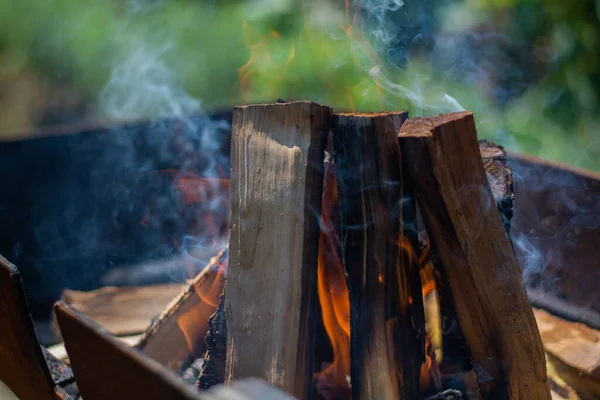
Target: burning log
[164,340]
[213,368]
[277,160]
[386,349]
[25,367]
[476,254]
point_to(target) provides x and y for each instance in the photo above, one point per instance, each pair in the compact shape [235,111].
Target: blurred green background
[529,69]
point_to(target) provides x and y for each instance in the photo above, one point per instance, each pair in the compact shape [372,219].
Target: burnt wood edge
[213,368]
[75,327]
[174,305]
[55,373]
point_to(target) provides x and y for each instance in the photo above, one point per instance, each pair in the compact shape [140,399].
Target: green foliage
[231,52]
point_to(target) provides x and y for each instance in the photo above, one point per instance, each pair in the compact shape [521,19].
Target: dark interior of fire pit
[78,204]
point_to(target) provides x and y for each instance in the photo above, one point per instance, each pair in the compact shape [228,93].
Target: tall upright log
[468,236]
[378,255]
[277,156]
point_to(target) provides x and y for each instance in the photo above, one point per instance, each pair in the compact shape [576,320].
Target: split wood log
[467,235]
[277,156]
[499,176]
[23,362]
[164,340]
[106,368]
[123,311]
[385,348]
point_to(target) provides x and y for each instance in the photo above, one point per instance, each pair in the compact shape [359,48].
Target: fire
[193,323]
[430,372]
[211,194]
[333,295]
[200,190]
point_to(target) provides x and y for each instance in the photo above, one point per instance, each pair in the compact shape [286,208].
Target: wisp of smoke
[143,85]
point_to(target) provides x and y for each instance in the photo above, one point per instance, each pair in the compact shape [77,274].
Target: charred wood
[386,349]
[213,369]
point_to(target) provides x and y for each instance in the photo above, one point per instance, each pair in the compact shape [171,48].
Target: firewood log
[378,255]
[277,156]
[467,235]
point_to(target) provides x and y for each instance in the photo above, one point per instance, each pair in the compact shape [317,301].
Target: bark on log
[386,352]
[276,186]
[468,236]
[499,177]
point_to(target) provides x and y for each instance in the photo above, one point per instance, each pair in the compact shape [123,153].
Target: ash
[450,394]
[191,373]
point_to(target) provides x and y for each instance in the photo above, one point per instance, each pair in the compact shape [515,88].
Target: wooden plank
[23,367]
[106,368]
[575,344]
[468,236]
[123,311]
[164,340]
[276,186]
[385,347]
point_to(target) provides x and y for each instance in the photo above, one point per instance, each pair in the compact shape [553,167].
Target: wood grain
[378,256]
[123,311]
[468,236]
[277,157]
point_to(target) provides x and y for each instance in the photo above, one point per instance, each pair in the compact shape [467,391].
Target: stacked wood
[277,156]
[378,255]
[468,237]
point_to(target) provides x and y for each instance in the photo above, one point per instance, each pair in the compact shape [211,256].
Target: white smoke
[143,85]
[418,95]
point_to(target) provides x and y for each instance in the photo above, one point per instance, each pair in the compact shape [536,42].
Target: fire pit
[341,224]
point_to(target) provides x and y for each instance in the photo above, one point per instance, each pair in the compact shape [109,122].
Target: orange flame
[194,190]
[193,323]
[333,294]
[430,371]
[198,190]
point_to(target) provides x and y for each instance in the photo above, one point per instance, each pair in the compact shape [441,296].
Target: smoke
[143,85]
[112,201]
[422,55]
